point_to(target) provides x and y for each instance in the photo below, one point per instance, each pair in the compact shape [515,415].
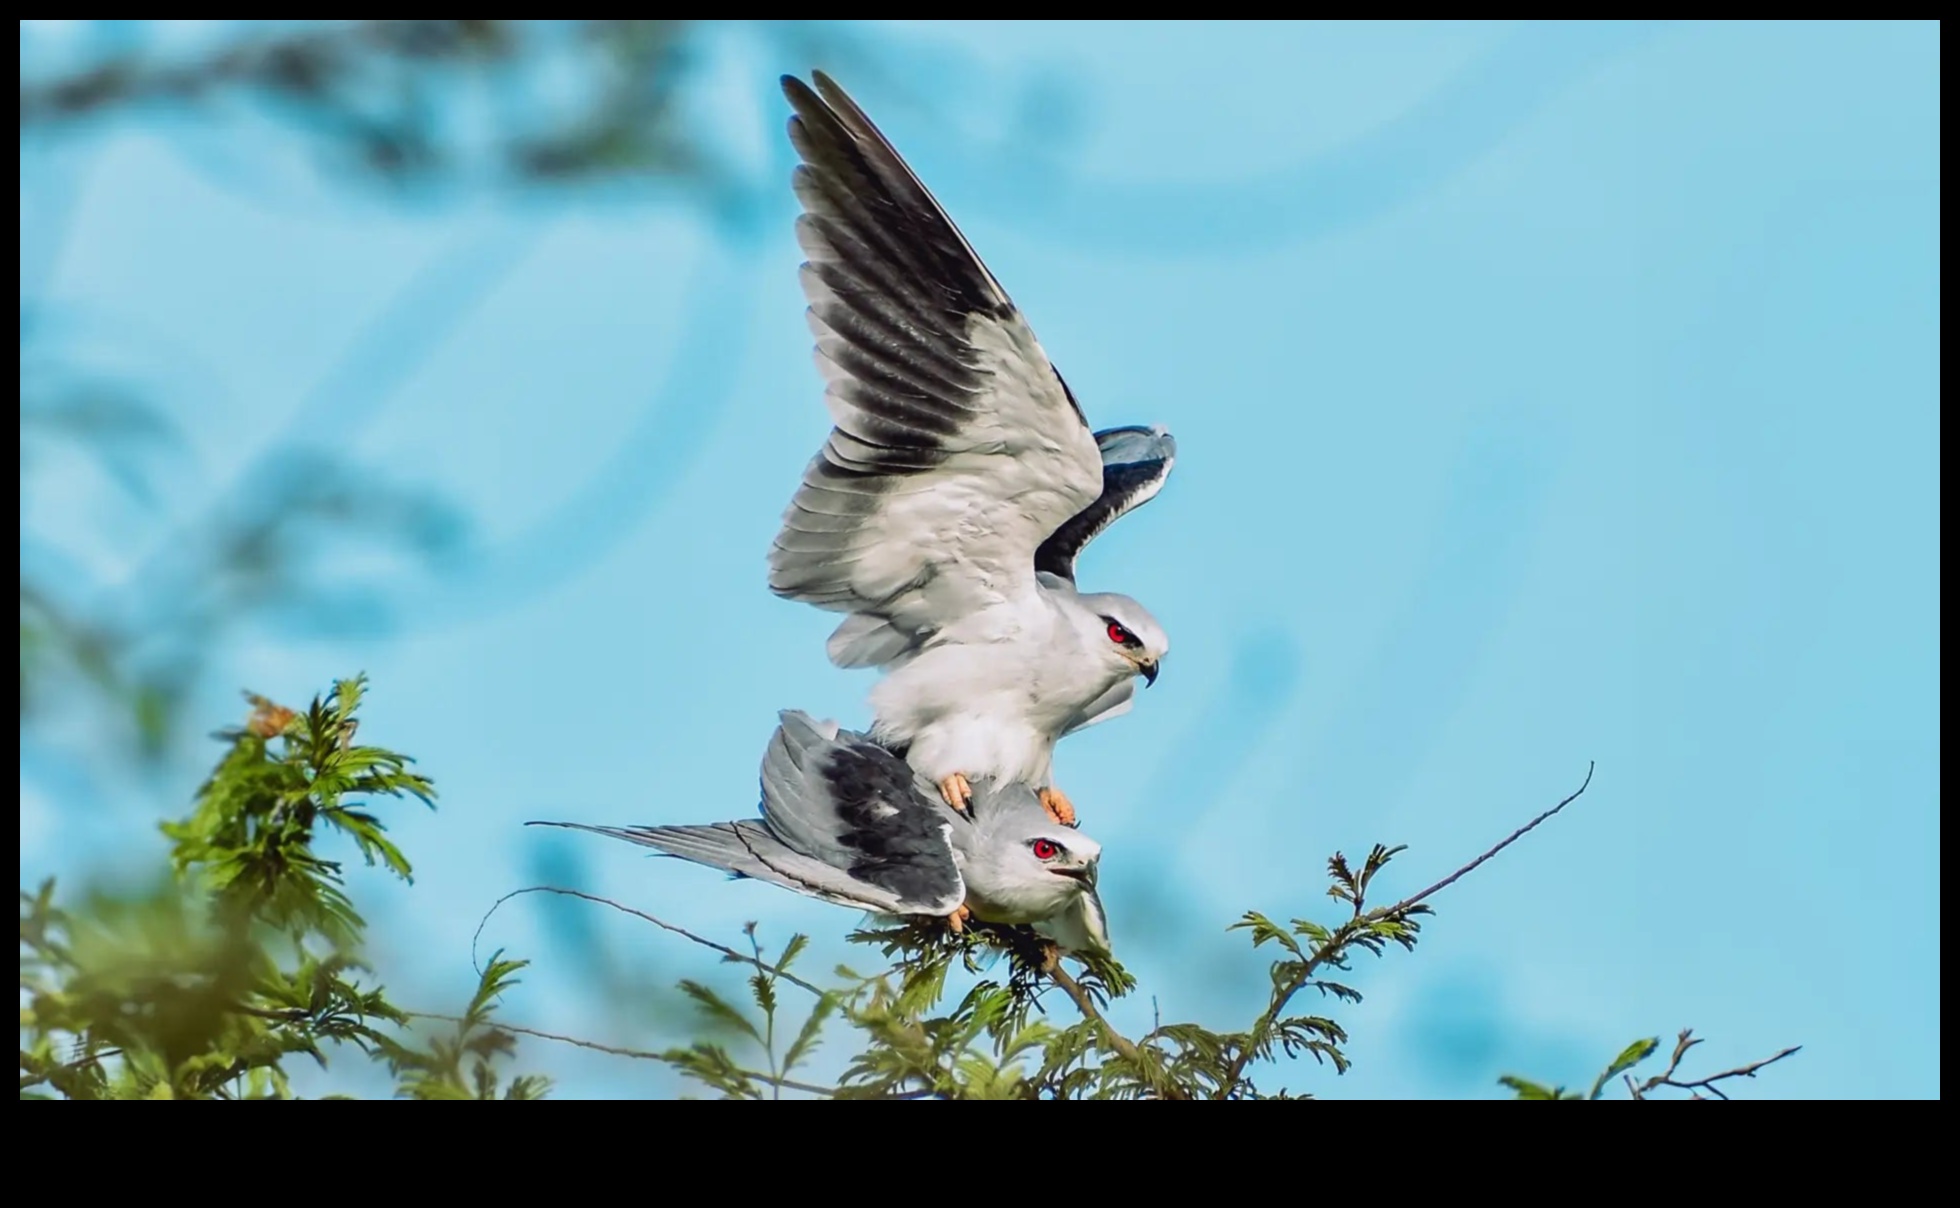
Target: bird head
[1054,862]
[1022,866]
[1127,633]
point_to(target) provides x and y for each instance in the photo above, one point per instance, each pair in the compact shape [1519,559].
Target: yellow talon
[956,921]
[957,792]
[1058,806]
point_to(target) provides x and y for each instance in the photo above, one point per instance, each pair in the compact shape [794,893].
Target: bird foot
[1051,956]
[957,792]
[956,921]
[1058,806]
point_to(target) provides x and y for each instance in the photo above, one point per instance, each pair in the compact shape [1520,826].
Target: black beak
[1149,670]
[1076,874]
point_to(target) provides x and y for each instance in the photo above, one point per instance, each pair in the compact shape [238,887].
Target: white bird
[946,510]
[846,821]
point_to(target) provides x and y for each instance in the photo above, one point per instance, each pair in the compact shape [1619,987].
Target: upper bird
[947,508]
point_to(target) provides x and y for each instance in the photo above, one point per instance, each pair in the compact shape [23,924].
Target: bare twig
[683,932]
[1514,836]
[1682,1043]
[636,1054]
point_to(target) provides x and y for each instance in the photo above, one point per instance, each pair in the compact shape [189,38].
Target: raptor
[961,480]
[846,821]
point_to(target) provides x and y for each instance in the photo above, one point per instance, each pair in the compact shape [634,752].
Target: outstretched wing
[957,449]
[747,849]
[1135,463]
[849,804]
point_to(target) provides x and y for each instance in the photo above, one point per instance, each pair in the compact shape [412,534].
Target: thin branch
[683,932]
[1087,1006]
[1741,1071]
[1682,1043]
[277,1015]
[80,1063]
[1515,835]
[1336,945]
[1124,1048]
[617,1051]
[1331,950]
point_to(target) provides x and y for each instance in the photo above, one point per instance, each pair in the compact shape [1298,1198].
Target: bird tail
[730,846]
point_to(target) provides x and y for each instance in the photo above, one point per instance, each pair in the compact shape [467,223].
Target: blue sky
[1544,394]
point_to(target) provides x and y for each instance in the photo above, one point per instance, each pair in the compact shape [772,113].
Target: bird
[846,821]
[959,484]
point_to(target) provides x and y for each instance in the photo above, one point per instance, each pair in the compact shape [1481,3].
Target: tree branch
[1336,944]
[1514,836]
[684,933]
[1123,1046]
[788,1084]
[1682,1043]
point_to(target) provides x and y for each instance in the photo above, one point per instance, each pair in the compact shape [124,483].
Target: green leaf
[1632,1055]
[1264,929]
[793,949]
[1526,1089]
[718,1010]
[810,1034]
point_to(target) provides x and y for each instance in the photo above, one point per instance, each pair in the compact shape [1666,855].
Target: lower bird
[845,820]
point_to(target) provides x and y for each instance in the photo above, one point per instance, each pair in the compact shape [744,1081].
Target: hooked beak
[1085,875]
[1148,671]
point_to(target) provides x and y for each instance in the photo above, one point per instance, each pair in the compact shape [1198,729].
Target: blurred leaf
[247,953]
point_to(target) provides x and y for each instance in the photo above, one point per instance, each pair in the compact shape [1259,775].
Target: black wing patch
[1136,461]
[900,284]
[905,852]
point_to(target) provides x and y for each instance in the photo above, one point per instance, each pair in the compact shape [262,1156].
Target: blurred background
[1544,394]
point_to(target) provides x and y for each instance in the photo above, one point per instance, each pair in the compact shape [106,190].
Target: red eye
[1046,849]
[1118,634]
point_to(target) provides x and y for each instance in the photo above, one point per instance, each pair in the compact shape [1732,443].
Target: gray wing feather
[868,640]
[1113,703]
[843,820]
[747,849]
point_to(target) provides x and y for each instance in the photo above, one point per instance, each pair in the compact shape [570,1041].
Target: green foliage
[463,1065]
[990,1044]
[383,98]
[247,953]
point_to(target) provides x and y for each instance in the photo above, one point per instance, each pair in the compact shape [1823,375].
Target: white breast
[992,698]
